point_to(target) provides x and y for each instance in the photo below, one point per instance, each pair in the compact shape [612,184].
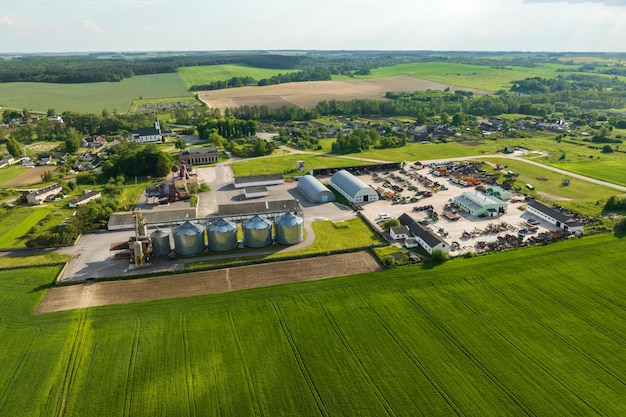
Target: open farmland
[22,176]
[308,94]
[533,332]
[90,97]
[472,76]
[205,74]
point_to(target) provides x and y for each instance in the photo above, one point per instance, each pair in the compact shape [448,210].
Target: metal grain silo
[160,243]
[188,239]
[289,229]
[257,232]
[222,235]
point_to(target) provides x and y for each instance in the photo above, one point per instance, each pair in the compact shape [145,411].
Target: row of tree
[362,139]
[91,68]
[227,127]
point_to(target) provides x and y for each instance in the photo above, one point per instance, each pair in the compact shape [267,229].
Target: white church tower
[157,125]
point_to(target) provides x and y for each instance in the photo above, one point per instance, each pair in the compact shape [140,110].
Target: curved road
[569,173]
[518,158]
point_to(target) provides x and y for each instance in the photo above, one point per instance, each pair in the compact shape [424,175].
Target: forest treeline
[87,69]
[303,66]
[310,65]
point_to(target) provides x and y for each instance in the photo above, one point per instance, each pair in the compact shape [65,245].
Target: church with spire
[148,134]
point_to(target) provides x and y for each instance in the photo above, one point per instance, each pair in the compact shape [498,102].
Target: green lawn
[91,97]
[287,164]
[206,74]
[21,260]
[538,331]
[17,222]
[330,236]
[466,75]
[580,196]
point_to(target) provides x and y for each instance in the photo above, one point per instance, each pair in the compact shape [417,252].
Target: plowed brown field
[206,282]
[30,177]
[308,94]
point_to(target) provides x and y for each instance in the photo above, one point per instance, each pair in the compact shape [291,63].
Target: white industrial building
[40,195]
[314,190]
[554,217]
[352,188]
[480,205]
[258,180]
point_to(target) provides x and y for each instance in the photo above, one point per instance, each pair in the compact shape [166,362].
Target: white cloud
[605,2]
[91,26]
[4,20]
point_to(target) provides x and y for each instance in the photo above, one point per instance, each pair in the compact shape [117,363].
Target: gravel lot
[514,217]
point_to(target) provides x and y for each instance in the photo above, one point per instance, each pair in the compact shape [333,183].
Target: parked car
[384,216]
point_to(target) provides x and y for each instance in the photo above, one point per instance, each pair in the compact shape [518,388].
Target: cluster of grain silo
[257,232]
[221,235]
[189,239]
[289,229]
[160,243]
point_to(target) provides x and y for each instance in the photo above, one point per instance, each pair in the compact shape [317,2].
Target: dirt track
[206,282]
[308,94]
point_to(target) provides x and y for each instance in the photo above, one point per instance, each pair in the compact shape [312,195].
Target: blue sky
[141,25]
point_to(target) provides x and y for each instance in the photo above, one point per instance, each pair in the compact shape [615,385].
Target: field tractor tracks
[537,319]
[246,368]
[357,361]
[415,361]
[590,289]
[556,380]
[132,364]
[73,365]
[189,373]
[306,374]
[580,312]
[8,388]
[468,354]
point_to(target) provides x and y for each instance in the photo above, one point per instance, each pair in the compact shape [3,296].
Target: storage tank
[289,229]
[257,232]
[222,235]
[160,243]
[188,239]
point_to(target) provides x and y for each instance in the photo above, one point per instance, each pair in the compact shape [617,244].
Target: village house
[84,198]
[39,196]
[93,143]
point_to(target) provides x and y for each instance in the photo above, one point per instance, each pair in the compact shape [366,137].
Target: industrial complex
[436,210]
